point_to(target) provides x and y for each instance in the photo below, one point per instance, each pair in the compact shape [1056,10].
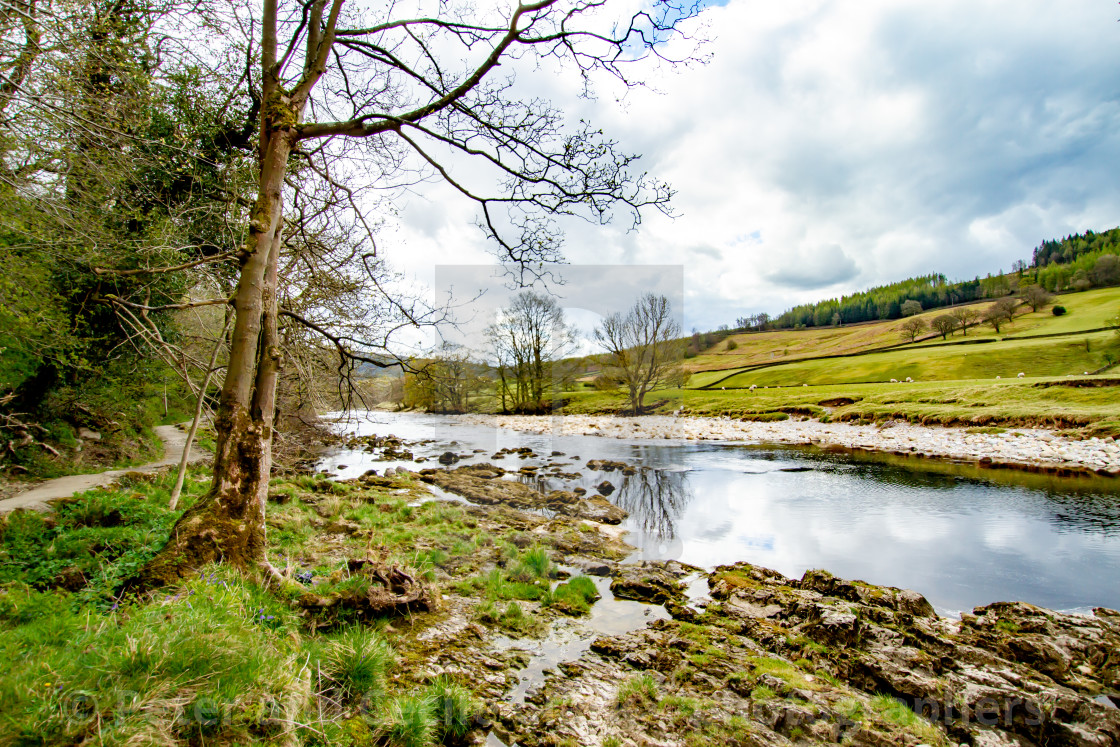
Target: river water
[960,535]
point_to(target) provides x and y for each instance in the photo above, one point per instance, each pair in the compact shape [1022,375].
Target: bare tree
[965,316]
[340,78]
[1000,313]
[644,347]
[913,327]
[446,381]
[527,342]
[1036,297]
[944,325]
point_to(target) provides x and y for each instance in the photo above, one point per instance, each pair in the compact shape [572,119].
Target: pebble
[1021,446]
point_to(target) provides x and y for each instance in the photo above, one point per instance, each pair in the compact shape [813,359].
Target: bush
[732,345]
[1058,310]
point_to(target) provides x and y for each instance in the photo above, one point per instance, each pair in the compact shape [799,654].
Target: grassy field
[1088,310]
[1010,402]
[1055,356]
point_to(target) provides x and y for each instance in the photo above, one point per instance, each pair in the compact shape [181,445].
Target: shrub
[1058,310]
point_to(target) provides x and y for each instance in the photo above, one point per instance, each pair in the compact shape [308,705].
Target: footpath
[174,440]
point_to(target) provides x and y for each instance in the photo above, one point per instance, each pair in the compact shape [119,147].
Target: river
[960,535]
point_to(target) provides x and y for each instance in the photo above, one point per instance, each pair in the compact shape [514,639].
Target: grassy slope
[1044,357]
[1088,310]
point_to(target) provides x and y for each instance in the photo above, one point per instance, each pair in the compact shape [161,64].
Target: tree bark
[228,524]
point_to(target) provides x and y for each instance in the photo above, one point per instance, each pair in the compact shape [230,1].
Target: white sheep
[909,380]
[723,389]
[999,377]
[894,381]
[804,385]
[753,387]
[1021,374]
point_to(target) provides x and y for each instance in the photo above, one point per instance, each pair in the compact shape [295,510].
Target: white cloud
[917,136]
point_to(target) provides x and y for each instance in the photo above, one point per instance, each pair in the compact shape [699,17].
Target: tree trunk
[228,524]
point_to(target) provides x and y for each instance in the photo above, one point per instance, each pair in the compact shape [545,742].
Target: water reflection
[960,534]
[656,499]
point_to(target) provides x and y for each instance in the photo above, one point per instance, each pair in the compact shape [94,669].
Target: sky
[832,146]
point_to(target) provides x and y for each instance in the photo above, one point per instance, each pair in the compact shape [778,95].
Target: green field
[1088,310]
[1055,402]
[968,379]
[1005,354]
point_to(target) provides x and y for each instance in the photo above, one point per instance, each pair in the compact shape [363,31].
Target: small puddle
[1108,701]
[569,638]
[696,590]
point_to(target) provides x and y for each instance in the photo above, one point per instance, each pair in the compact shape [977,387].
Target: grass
[574,597]
[1006,402]
[1087,310]
[220,659]
[899,714]
[357,661]
[1038,357]
[96,539]
[637,690]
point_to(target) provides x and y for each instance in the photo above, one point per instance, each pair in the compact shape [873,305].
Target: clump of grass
[409,721]
[453,705]
[637,690]
[511,617]
[533,565]
[898,713]
[574,597]
[358,661]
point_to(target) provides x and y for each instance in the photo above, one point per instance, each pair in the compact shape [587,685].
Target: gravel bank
[1026,448]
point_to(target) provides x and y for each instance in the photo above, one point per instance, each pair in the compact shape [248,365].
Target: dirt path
[174,440]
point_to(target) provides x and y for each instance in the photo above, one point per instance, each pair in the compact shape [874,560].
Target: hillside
[789,354]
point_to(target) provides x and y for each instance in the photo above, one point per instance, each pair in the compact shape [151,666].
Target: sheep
[909,380]
[999,377]
[753,387]
[723,389]
[894,381]
[1021,374]
[804,385]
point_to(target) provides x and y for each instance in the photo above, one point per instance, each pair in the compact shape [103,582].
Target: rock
[448,457]
[601,510]
[88,435]
[648,582]
[605,488]
[606,465]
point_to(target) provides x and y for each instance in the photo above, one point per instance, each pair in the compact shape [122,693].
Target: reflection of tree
[655,500]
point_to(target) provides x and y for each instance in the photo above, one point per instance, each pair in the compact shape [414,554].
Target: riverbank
[1026,448]
[401,620]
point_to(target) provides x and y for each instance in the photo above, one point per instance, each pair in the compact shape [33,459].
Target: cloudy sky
[830,146]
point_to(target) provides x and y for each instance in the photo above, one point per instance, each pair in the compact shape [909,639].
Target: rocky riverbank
[666,654]
[1027,448]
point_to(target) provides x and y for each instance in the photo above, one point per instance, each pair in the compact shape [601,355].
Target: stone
[448,457]
[605,488]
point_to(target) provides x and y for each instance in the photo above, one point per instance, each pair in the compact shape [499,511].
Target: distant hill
[1077,262]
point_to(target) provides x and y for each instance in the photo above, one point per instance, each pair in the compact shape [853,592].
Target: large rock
[649,581]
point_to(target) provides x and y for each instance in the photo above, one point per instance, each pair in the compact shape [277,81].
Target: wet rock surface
[775,661]
[480,483]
